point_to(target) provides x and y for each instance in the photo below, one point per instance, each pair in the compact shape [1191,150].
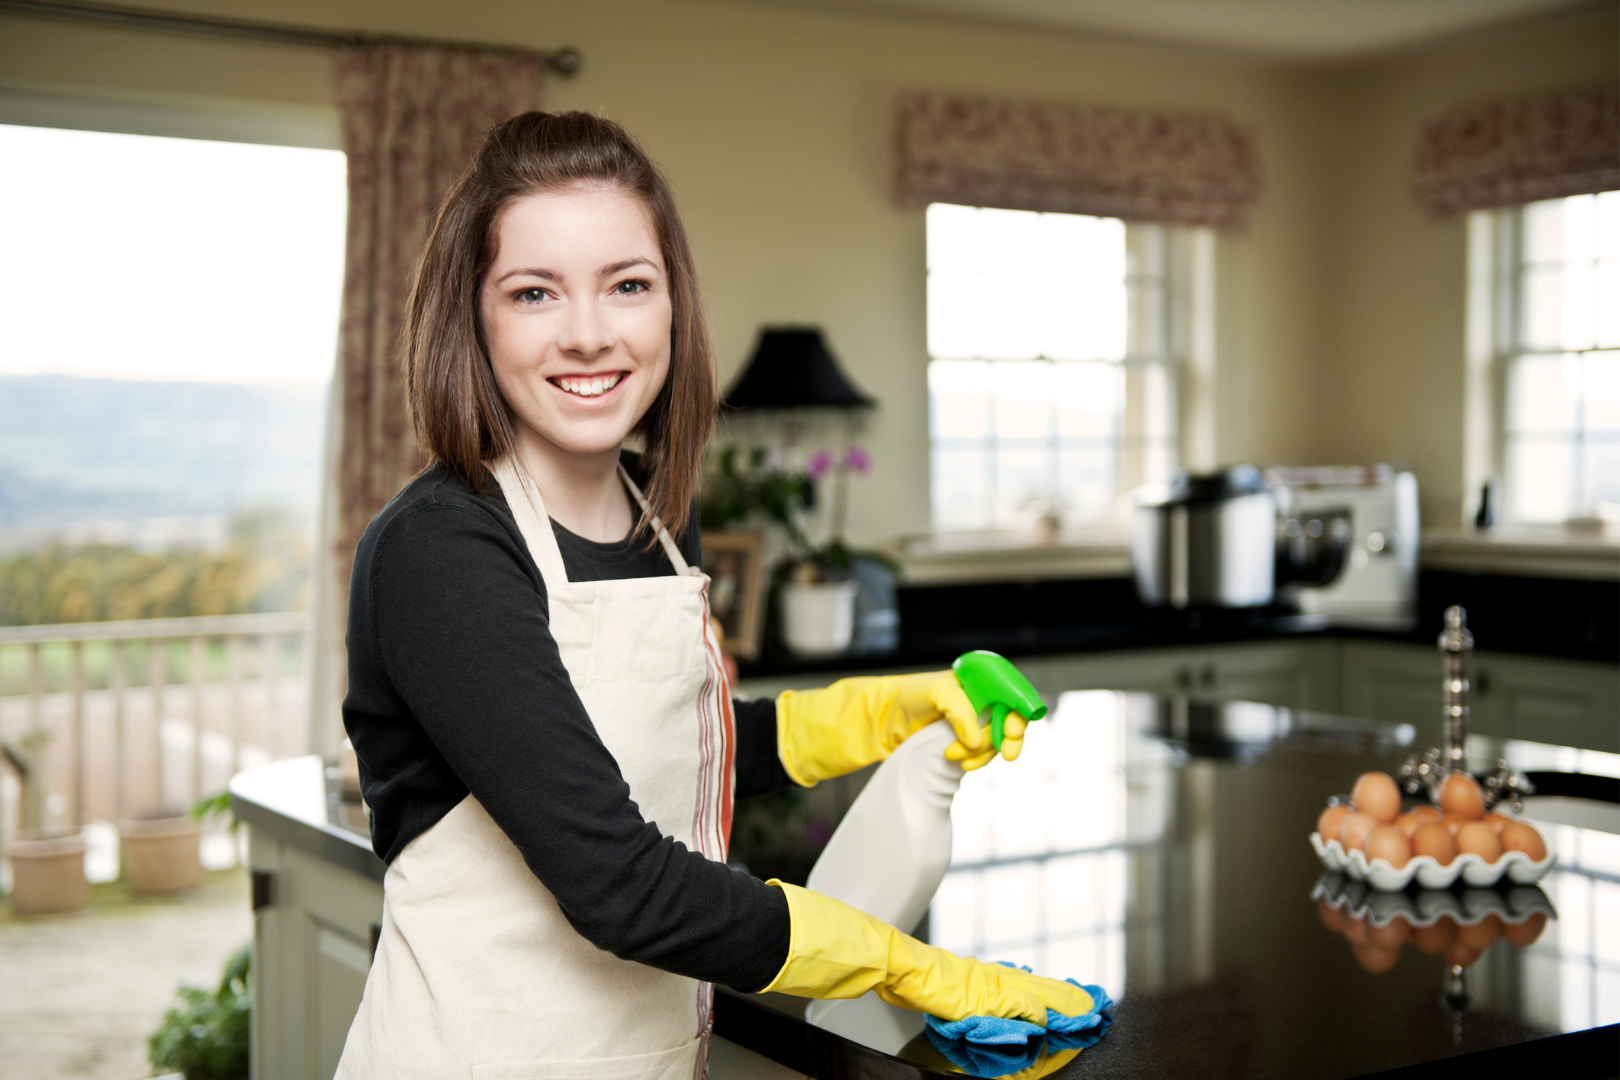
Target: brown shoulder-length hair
[458,413]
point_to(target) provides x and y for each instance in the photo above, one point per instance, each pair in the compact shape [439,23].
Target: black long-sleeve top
[456,686]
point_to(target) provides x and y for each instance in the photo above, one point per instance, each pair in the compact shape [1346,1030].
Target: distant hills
[75,450]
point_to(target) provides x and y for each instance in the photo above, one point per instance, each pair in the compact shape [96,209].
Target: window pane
[1011,284]
[1538,478]
[1086,481]
[1087,400]
[1023,480]
[1602,458]
[958,393]
[1023,399]
[1601,392]
[1542,394]
[1607,316]
[1543,307]
[961,487]
[1544,232]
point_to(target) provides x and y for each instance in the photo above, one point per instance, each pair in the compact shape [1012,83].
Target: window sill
[1525,550]
[1022,555]
[1552,551]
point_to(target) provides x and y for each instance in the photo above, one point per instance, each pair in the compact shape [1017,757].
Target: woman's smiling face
[576,314]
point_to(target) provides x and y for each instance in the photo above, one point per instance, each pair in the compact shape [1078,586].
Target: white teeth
[589,387]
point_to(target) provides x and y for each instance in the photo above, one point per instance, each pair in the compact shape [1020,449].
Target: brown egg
[1355,928]
[1408,823]
[1390,844]
[1437,938]
[1376,794]
[1435,841]
[1460,795]
[1376,958]
[1526,933]
[1462,955]
[1518,836]
[1329,915]
[1392,935]
[1453,822]
[1353,833]
[1328,824]
[1478,838]
[1427,811]
[1481,933]
[1497,821]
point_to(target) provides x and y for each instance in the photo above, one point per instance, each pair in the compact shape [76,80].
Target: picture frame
[735,563]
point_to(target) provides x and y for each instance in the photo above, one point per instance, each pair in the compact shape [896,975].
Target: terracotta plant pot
[161,852]
[47,871]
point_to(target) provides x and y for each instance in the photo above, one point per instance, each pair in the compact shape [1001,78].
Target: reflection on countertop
[1157,846]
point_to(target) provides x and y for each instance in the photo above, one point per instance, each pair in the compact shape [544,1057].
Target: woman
[546,737]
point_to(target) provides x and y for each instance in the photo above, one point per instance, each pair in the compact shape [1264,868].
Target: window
[1053,363]
[169,310]
[1557,364]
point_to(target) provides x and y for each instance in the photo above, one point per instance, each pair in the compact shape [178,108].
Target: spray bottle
[991,682]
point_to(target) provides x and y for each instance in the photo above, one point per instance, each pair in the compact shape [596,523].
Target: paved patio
[80,993]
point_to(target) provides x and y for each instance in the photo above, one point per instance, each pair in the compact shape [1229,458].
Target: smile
[587,385]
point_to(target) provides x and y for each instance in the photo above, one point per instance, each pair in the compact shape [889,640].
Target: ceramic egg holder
[1469,907]
[1425,772]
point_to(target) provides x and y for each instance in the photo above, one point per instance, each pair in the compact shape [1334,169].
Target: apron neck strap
[524,499]
[676,559]
[530,511]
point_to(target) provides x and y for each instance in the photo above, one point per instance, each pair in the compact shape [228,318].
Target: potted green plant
[205,1035]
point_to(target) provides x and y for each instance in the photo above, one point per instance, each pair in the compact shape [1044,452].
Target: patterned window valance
[1521,151]
[1027,155]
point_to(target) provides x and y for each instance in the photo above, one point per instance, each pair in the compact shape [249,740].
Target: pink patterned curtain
[1027,155]
[412,119]
[1521,151]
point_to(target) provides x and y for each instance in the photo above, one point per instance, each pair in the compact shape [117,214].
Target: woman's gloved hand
[837,951]
[825,733]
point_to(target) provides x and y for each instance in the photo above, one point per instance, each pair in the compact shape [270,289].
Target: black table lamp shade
[791,368]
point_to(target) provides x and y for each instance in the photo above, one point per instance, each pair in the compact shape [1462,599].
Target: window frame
[1496,333]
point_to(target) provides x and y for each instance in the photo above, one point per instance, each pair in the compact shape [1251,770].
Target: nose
[587,333]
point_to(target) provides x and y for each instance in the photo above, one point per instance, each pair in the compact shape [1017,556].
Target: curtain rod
[564,61]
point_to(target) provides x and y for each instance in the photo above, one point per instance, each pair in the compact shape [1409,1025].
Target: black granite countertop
[1569,619]
[1157,846]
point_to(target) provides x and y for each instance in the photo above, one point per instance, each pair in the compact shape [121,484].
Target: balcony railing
[123,717]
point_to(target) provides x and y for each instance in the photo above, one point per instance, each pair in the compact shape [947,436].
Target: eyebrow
[552,275]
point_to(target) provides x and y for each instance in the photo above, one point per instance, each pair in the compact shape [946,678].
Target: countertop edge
[341,847]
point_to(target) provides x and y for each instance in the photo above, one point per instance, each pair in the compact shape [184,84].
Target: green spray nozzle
[991,682]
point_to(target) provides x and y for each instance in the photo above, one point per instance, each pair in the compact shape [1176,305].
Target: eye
[631,287]
[530,296]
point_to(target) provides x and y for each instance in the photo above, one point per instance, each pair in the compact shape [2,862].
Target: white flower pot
[818,619]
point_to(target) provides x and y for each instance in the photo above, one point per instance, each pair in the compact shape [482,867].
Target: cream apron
[477,973]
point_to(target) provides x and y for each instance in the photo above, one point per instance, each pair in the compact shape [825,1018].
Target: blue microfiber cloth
[1079,1031]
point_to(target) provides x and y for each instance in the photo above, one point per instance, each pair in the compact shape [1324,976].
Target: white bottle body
[888,857]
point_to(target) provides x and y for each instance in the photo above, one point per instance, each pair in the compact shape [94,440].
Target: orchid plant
[756,484]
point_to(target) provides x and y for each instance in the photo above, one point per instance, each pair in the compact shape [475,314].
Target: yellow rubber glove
[836,951]
[825,733]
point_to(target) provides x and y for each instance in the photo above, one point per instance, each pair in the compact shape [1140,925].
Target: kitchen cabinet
[1299,674]
[1566,702]
[312,946]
